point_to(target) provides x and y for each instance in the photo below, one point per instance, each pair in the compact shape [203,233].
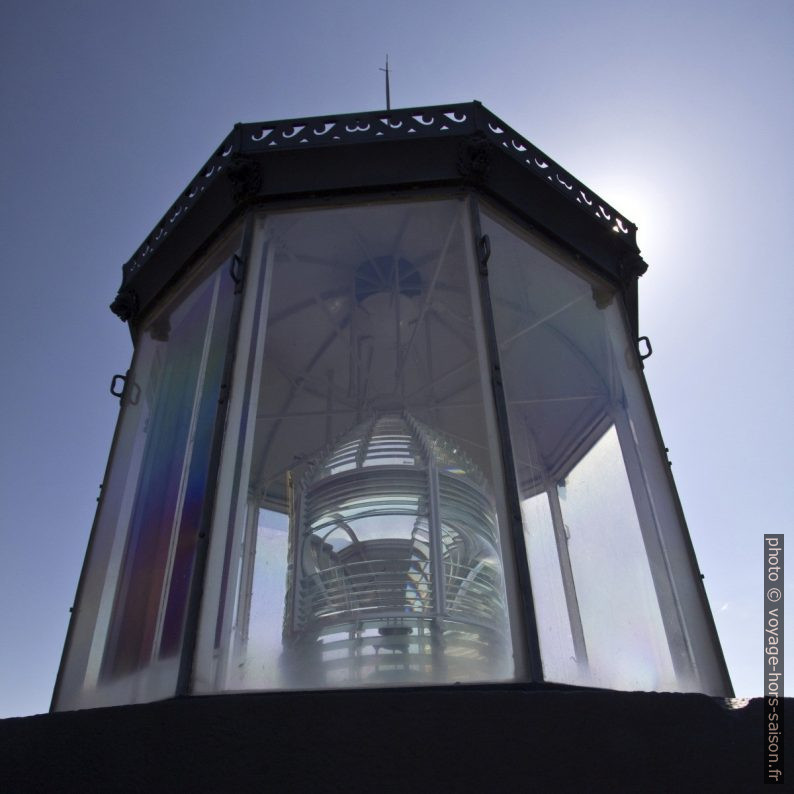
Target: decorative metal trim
[535,160]
[214,166]
[485,131]
[428,122]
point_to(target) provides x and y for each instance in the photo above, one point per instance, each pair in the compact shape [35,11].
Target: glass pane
[551,606]
[606,605]
[606,548]
[126,638]
[365,544]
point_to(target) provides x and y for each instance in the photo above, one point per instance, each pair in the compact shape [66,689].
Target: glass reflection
[127,633]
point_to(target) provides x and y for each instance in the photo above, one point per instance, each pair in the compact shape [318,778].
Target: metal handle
[134,388]
[236,272]
[120,392]
[647,345]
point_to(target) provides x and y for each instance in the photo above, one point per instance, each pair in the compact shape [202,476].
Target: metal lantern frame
[460,151]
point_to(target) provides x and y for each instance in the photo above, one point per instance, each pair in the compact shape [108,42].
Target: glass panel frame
[130,622]
[688,630]
[224,627]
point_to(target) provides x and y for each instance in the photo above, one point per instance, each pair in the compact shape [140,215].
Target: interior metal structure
[385,425]
[396,569]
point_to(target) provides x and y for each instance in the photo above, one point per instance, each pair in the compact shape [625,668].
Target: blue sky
[678,113]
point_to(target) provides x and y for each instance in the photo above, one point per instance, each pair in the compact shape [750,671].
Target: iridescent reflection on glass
[129,624]
[365,535]
[605,603]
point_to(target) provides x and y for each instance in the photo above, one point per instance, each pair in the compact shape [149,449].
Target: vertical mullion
[436,546]
[176,523]
[197,581]
[658,562]
[566,571]
[528,659]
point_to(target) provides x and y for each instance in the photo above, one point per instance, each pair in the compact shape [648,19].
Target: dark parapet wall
[483,739]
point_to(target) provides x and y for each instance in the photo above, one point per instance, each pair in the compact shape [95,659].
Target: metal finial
[387,70]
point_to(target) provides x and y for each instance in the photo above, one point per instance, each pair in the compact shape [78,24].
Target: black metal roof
[460,145]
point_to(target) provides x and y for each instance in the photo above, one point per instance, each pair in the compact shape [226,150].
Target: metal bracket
[484,253]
